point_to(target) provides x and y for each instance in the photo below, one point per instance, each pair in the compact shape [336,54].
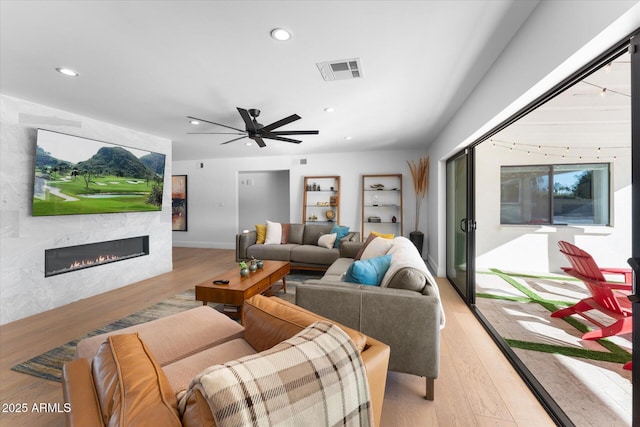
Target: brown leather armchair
[123,384]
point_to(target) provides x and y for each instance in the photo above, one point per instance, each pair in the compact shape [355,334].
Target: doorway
[262,196]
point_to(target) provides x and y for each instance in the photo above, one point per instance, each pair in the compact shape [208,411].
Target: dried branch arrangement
[420,175]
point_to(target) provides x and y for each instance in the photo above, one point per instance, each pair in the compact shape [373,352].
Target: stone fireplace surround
[24,288]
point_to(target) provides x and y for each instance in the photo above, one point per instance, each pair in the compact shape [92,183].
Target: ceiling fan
[257,131]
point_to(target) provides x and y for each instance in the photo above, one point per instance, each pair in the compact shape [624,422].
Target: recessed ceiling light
[347,137]
[248,144]
[67,72]
[280,34]
[194,122]
[329,109]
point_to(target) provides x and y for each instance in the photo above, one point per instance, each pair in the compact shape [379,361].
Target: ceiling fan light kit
[257,131]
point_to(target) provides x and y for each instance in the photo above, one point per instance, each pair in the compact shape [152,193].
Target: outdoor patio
[586,378]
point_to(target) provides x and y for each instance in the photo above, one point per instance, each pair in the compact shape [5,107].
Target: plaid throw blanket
[315,378]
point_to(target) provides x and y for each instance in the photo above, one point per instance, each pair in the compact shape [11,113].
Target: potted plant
[420,175]
[244,269]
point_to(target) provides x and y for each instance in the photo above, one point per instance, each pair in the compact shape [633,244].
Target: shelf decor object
[420,175]
[381,204]
[321,200]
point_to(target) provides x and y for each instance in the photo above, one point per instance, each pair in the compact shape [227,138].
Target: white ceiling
[146,65]
[592,117]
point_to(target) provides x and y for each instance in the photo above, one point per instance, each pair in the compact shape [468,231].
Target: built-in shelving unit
[321,201]
[382,204]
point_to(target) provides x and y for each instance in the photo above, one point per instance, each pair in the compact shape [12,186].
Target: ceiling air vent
[343,69]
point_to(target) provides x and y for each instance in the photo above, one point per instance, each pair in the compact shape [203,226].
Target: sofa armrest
[352,236]
[408,321]
[79,392]
[243,241]
[349,249]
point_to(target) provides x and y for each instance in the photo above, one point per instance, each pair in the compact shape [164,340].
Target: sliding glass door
[460,224]
[565,168]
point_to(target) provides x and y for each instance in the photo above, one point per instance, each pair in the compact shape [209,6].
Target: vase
[253,266]
[260,263]
[417,238]
[244,272]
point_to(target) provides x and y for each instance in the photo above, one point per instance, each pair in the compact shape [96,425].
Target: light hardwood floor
[477,385]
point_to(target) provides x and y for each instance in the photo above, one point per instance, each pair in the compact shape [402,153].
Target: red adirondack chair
[609,298]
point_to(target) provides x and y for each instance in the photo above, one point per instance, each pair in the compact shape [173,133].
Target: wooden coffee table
[264,280]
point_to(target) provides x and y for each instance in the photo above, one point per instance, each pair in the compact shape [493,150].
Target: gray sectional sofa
[404,311]
[300,249]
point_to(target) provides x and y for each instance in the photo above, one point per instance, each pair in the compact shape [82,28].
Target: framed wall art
[179,202]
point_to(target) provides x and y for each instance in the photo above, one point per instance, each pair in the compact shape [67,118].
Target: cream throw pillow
[377,248]
[274,233]
[327,240]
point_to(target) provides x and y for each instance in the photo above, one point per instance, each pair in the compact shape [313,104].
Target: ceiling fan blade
[259,141]
[214,123]
[295,132]
[216,133]
[279,138]
[281,122]
[247,119]
[233,140]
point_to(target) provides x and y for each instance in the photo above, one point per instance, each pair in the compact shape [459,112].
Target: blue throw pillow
[368,271]
[341,231]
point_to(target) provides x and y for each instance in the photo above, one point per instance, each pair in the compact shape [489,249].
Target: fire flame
[98,260]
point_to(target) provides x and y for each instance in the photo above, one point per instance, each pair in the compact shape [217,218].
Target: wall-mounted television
[75,175]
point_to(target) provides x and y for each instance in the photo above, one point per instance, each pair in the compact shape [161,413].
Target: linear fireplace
[73,258]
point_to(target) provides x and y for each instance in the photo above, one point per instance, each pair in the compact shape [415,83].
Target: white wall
[263,195]
[530,248]
[24,290]
[213,190]
[558,38]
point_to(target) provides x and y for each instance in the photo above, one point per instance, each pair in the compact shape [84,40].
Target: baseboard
[204,245]
[432,264]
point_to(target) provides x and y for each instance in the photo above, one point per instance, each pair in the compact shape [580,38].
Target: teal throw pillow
[368,271]
[341,231]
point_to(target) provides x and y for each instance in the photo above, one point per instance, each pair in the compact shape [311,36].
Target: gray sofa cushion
[310,254]
[272,252]
[408,278]
[349,249]
[312,232]
[296,233]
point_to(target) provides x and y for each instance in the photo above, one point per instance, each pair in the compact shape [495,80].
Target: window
[555,194]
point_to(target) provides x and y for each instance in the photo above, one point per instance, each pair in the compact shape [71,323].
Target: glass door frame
[634,50]
[467,224]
